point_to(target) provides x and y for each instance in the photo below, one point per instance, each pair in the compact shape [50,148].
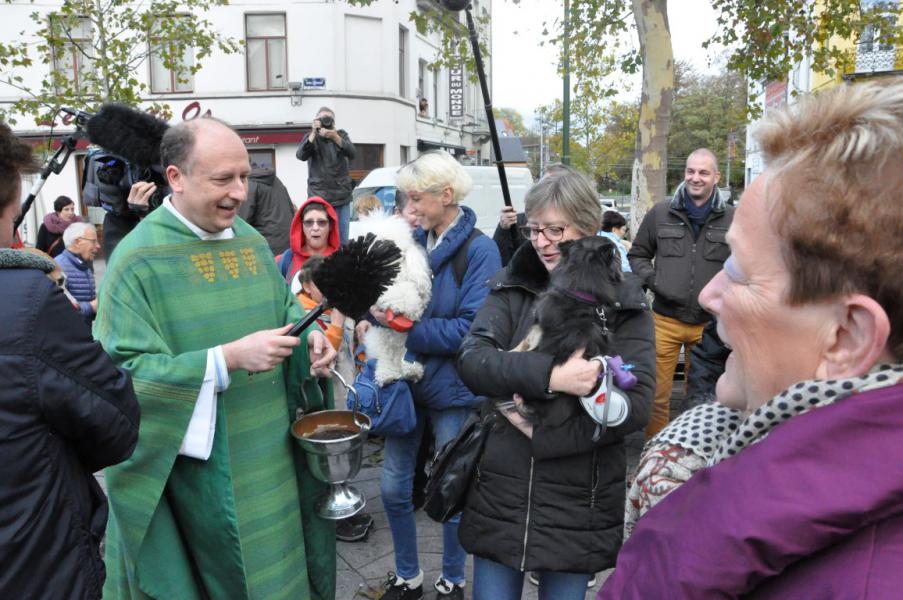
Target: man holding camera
[327,151]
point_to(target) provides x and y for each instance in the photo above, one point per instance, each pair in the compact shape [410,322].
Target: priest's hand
[322,354]
[260,351]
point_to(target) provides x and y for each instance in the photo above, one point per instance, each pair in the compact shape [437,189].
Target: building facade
[870,60]
[368,64]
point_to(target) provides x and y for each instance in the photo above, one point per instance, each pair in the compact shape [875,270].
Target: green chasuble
[241,524]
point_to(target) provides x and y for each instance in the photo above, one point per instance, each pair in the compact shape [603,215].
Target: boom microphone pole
[455,6]
[54,164]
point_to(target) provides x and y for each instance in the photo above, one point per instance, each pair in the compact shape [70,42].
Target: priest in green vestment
[216,502]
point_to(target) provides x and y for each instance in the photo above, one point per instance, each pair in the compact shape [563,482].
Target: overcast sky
[524,75]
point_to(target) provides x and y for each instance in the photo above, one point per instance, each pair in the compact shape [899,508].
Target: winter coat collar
[525,270]
[17,259]
[452,239]
[77,261]
[679,198]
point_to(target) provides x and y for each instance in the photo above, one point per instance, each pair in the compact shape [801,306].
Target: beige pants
[670,335]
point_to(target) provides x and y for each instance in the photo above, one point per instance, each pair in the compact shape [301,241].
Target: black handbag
[453,468]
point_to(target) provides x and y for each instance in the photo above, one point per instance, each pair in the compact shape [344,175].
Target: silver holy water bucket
[333,441]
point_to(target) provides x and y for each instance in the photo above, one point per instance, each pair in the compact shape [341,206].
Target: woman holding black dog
[547,496]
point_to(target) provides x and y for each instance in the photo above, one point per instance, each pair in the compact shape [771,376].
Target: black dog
[571,313]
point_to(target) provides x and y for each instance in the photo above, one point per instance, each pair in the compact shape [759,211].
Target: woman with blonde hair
[434,185]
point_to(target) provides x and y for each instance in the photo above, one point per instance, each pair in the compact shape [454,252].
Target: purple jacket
[813,511]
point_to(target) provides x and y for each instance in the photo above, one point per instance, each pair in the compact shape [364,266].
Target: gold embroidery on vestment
[203,262]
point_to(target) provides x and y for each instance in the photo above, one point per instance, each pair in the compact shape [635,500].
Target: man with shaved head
[680,246]
[216,501]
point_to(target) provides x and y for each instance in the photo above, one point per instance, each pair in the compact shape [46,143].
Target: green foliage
[454,41]
[602,140]
[109,40]
[769,36]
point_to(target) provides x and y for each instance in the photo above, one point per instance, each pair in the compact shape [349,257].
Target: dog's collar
[577,295]
[586,299]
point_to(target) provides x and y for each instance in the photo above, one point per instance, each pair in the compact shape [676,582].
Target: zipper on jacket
[595,479]
[523,559]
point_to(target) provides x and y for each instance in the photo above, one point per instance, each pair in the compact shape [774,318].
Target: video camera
[128,151]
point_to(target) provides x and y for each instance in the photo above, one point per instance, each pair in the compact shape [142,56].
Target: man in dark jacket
[327,151]
[680,246]
[268,208]
[65,412]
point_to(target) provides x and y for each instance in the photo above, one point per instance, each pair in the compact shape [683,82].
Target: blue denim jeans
[343,213]
[494,581]
[399,460]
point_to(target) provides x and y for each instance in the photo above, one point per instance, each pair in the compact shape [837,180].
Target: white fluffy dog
[408,296]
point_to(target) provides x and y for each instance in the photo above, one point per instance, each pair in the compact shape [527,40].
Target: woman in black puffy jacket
[549,497]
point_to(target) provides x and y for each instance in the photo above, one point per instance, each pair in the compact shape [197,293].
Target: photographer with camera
[327,151]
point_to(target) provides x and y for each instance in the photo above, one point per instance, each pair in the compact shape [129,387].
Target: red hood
[296,235]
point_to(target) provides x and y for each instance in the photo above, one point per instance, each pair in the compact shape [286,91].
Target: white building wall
[354,48]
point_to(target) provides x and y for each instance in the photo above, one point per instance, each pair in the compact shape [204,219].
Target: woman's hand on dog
[515,416]
[577,376]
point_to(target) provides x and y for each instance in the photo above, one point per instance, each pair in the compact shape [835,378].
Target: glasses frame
[532,233]
[321,223]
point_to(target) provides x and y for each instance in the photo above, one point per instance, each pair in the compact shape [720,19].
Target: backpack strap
[285,262]
[459,261]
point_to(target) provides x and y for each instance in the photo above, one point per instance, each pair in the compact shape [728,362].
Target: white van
[485,198]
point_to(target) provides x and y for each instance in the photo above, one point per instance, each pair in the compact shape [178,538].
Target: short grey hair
[708,154]
[431,172]
[573,195]
[177,145]
[75,231]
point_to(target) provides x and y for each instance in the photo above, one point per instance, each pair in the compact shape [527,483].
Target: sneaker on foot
[446,590]
[397,588]
[353,529]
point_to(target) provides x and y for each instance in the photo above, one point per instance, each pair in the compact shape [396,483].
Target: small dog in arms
[570,314]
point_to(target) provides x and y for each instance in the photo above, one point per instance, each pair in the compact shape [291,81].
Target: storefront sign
[254,138]
[456,92]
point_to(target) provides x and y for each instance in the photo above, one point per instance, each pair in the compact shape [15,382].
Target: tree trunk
[650,165]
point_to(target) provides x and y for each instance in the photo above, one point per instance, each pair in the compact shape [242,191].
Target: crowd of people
[773,483]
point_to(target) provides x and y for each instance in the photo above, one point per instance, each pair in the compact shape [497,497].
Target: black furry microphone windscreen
[132,134]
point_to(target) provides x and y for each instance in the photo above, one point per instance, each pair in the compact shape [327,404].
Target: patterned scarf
[799,399]
[709,433]
[57,224]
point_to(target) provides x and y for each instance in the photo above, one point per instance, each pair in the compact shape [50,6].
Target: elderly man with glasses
[77,262]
